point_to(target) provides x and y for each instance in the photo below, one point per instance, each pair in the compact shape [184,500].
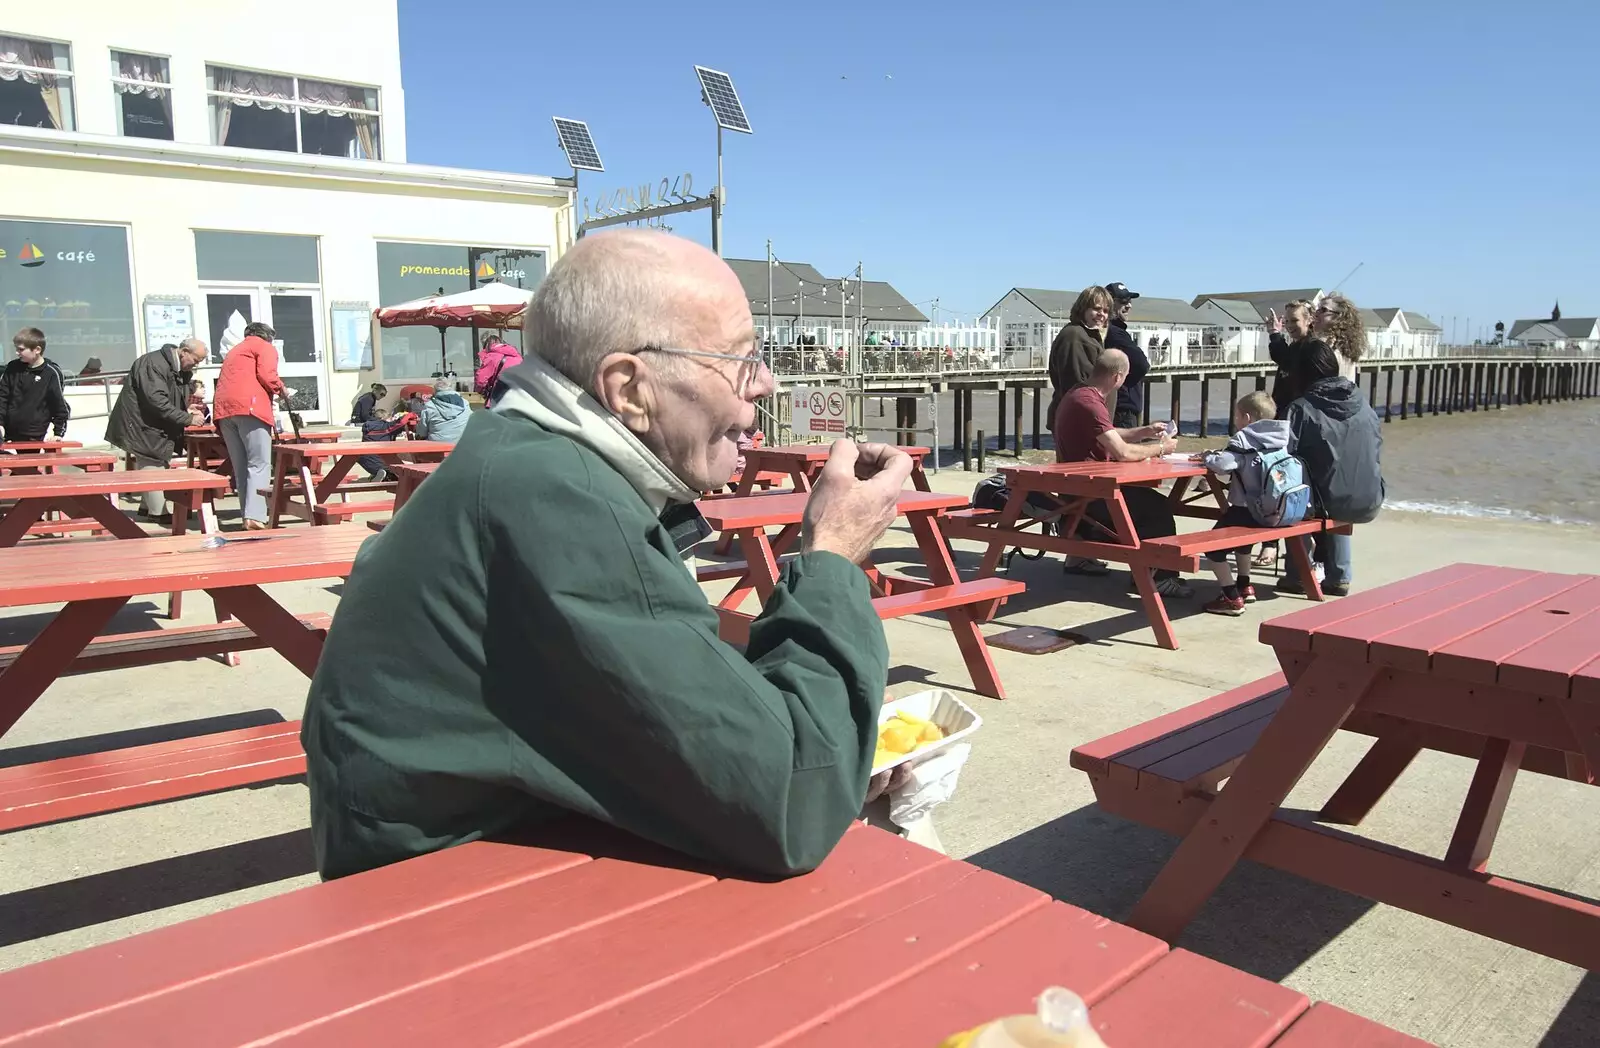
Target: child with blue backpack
[1266,489]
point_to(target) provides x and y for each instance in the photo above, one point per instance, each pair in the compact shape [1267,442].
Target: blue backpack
[1280,495]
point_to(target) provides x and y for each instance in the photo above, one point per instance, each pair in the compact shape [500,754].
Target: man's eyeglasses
[751,364]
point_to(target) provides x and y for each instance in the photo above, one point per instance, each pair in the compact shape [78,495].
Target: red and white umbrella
[492,305]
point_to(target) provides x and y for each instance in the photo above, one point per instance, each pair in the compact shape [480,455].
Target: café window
[35,83]
[411,271]
[293,114]
[72,282]
[143,95]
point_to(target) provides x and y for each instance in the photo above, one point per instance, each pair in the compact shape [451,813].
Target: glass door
[296,318]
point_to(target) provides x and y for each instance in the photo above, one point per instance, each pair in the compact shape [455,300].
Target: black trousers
[1151,514]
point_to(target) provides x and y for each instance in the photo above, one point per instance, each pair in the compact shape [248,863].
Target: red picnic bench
[1075,486]
[1499,665]
[47,447]
[747,518]
[95,579]
[28,465]
[298,492]
[587,937]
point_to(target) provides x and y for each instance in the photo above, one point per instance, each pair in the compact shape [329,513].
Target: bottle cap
[1062,1011]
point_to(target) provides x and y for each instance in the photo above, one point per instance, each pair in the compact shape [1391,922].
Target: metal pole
[772,338]
[716,209]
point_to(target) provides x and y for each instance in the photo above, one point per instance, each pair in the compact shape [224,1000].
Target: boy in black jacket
[33,395]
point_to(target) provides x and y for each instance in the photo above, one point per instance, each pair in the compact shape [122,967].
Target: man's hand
[1153,431]
[853,502]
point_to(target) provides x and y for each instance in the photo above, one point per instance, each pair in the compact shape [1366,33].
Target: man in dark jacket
[151,412]
[33,397]
[1335,432]
[1130,398]
[561,658]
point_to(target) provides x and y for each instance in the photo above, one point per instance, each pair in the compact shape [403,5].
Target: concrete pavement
[1020,811]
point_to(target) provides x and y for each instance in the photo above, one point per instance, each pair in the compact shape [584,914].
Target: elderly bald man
[151,412]
[524,640]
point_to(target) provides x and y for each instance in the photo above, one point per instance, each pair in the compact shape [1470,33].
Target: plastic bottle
[1062,1021]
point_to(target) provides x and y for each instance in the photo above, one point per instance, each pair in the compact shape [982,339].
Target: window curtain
[15,53]
[261,90]
[152,80]
[315,94]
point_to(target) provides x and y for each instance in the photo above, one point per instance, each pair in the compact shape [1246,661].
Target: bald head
[1112,362]
[621,291]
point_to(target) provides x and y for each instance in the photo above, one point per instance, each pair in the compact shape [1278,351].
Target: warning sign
[817,411]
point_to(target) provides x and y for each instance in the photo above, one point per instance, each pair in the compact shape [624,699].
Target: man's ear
[623,388]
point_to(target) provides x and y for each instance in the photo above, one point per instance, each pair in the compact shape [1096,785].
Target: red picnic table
[1075,486]
[40,446]
[802,462]
[89,501]
[588,938]
[747,518]
[94,580]
[1501,665]
[407,477]
[205,448]
[294,474]
[87,461]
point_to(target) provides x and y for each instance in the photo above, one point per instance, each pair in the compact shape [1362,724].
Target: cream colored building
[166,165]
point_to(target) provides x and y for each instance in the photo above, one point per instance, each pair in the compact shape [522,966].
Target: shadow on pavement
[51,909]
[133,617]
[1262,921]
[1578,1025]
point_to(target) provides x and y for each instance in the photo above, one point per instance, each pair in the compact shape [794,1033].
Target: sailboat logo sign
[30,255]
[484,271]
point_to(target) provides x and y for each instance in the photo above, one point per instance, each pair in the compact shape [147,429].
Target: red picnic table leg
[184,502]
[49,654]
[268,620]
[280,484]
[1583,716]
[1370,779]
[1143,578]
[1479,823]
[747,582]
[104,510]
[963,621]
[1300,555]
[747,485]
[919,477]
[1319,701]
[23,514]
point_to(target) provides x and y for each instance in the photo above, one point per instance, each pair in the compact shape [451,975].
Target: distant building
[1391,332]
[806,304]
[1561,333]
[1237,327]
[1168,329]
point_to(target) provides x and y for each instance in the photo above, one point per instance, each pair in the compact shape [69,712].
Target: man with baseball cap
[1130,398]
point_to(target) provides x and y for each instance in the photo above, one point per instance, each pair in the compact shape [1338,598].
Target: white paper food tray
[955,718]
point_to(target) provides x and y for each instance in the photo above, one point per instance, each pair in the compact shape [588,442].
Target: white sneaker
[1319,572]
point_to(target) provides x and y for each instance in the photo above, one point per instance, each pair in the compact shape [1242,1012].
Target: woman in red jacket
[247,385]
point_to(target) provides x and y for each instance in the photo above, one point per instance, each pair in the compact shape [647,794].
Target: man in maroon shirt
[1083,431]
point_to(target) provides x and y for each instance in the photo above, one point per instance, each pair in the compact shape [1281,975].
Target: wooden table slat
[71,485]
[997,976]
[761,511]
[381,448]
[43,574]
[1189,1000]
[1293,632]
[1481,656]
[184,957]
[1547,666]
[56,463]
[1586,683]
[804,976]
[549,984]
[1477,595]
[1411,647]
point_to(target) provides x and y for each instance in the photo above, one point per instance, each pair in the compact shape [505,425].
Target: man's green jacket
[523,641]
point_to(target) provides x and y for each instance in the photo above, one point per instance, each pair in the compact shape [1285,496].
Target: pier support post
[1388,394]
[1038,395]
[1233,398]
[1405,393]
[1177,402]
[1001,414]
[1205,404]
[957,430]
[966,428]
[1016,424]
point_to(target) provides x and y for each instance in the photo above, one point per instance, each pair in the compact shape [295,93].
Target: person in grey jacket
[1338,436]
[1256,432]
[444,416]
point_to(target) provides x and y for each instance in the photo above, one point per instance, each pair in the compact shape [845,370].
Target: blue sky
[958,150]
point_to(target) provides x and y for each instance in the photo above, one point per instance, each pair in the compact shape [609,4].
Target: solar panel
[577,144]
[723,100]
